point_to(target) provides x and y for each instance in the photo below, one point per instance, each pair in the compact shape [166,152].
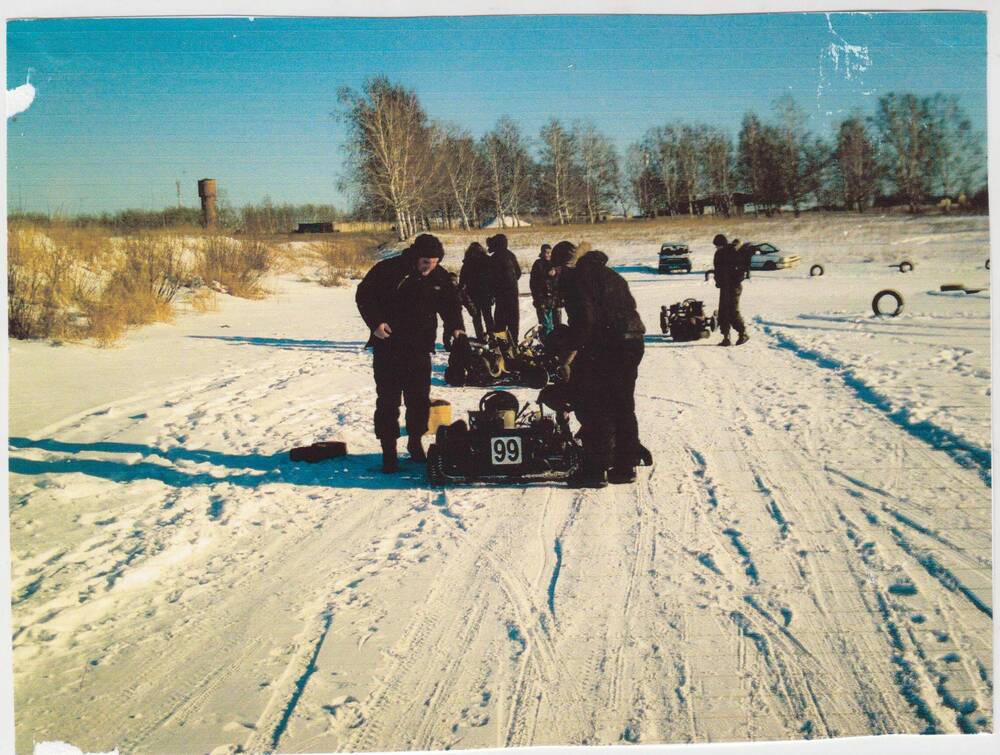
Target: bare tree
[857,164]
[508,168]
[719,169]
[464,170]
[389,149]
[689,157]
[802,158]
[598,163]
[906,144]
[641,178]
[557,153]
[957,149]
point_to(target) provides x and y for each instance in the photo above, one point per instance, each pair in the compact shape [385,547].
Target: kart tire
[892,294]
[987,263]
[435,467]
[905,266]
[952,286]
[709,274]
[816,270]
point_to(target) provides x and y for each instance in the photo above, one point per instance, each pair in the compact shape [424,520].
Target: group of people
[401,298]
[488,286]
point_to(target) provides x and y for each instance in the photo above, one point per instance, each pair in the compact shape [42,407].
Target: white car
[769,257]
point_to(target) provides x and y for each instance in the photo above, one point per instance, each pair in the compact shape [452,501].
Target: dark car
[675,257]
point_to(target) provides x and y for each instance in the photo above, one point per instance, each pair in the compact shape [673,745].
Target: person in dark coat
[505,274]
[543,291]
[400,300]
[477,289]
[604,349]
[731,265]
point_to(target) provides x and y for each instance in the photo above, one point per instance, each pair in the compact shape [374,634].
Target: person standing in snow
[505,274]
[478,293]
[731,266]
[400,300]
[543,291]
[605,347]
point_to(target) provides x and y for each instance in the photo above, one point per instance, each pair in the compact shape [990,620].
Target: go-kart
[503,441]
[498,360]
[687,321]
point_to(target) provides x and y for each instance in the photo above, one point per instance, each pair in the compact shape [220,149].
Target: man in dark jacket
[400,299]
[731,266]
[506,273]
[543,291]
[477,289]
[605,347]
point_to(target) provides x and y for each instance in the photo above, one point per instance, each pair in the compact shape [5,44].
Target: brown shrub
[237,264]
[347,256]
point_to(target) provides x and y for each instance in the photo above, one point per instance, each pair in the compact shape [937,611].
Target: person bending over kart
[475,282]
[605,347]
[731,266]
[399,300]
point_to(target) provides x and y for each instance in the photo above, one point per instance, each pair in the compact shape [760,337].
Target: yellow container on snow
[440,415]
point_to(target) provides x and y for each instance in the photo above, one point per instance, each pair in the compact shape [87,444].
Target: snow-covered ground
[810,555]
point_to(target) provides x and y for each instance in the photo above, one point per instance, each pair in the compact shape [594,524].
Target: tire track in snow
[962,451]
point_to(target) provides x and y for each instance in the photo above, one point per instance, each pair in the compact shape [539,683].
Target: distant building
[315,228]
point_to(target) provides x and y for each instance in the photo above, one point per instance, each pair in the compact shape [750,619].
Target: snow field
[809,556]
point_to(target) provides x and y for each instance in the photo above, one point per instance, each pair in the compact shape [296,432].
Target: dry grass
[142,283]
[79,283]
[237,264]
[347,256]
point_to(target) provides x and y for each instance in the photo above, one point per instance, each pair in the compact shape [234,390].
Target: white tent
[509,221]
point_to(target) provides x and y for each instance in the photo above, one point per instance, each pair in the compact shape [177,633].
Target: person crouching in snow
[400,300]
[605,347]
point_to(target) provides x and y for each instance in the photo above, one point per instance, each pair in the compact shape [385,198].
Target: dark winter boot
[742,339]
[416,450]
[390,462]
[725,341]
[621,475]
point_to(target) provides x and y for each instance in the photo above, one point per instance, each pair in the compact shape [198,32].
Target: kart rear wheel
[435,467]
[815,270]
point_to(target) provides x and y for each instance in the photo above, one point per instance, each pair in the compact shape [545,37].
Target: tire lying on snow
[905,266]
[883,294]
[816,270]
[952,286]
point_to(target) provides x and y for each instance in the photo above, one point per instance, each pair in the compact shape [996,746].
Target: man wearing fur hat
[602,364]
[400,300]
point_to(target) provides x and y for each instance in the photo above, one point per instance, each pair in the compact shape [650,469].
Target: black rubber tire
[816,270]
[770,266]
[890,293]
[987,263]
[952,286]
[905,266]
[435,467]
[709,274]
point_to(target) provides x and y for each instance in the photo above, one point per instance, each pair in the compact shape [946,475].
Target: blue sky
[124,108]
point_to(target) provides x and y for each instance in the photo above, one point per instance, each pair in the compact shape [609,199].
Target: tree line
[419,173]
[265,217]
